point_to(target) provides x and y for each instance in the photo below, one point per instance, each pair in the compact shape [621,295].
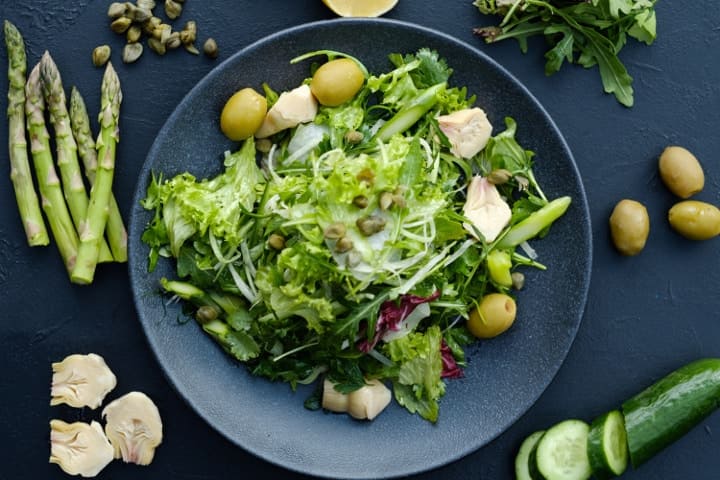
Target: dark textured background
[645,315]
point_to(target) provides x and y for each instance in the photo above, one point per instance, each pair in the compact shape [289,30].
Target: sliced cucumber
[665,411]
[561,453]
[521,460]
[607,445]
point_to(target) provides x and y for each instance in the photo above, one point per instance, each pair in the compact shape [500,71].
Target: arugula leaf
[588,33]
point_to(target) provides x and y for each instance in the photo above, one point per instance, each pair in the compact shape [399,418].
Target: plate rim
[136,210]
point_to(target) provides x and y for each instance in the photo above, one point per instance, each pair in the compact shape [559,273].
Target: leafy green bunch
[586,32]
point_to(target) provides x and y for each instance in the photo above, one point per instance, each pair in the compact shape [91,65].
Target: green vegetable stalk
[588,33]
[535,223]
[67,161]
[91,235]
[80,124]
[27,199]
[53,203]
[414,111]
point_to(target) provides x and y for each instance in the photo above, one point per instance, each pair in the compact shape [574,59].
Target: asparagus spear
[97,213]
[67,161]
[80,123]
[20,174]
[53,202]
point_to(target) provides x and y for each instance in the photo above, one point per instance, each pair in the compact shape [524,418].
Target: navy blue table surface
[645,315]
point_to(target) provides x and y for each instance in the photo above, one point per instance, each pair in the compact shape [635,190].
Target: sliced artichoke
[79,448]
[81,381]
[133,427]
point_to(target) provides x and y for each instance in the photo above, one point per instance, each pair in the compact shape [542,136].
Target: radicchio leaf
[392,314]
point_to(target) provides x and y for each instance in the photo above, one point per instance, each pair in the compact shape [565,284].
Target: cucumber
[667,410]
[561,453]
[607,445]
[521,460]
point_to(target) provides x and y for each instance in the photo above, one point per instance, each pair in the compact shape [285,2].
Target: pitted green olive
[495,314]
[337,81]
[629,226]
[695,220]
[243,114]
[681,172]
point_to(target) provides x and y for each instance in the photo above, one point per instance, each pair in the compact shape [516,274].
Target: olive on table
[629,226]
[243,114]
[337,81]
[495,314]
[681,172]
[695,220]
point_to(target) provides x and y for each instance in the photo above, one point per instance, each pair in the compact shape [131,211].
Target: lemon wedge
[360,8]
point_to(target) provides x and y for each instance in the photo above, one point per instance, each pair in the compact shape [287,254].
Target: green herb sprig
[585,32]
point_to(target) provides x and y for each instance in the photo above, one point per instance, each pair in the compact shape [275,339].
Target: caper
[151,24]
[494,315]
[189,33]
[162,33]
[120,25]
[386,200]
[146,4]
[206,314]
[518,280]
[370,225]
[210,48]
[360,201]
[366,175]
[343,245]
[276,241]
[335,230]
[629,226]
[132,52]
[263,145]
[137,14]
[116,10]
[681,172]
[499,176]
[173,9]
[695,220]
[134,33]
[101,55]
[156,46]
[353,137]
[173,41]
[337,81]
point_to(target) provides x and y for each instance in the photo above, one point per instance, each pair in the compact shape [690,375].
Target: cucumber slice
[607,445]
[667,410]
[522,471]
[561,453]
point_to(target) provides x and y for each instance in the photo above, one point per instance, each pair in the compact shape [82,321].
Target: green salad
[353,247]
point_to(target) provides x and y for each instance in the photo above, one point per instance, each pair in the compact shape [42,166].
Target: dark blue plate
[504,377]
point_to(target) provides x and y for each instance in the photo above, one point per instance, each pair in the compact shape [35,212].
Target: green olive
[681,172]
[337,81]
[629,226]
[243,114]
[695,220]
[495,314]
